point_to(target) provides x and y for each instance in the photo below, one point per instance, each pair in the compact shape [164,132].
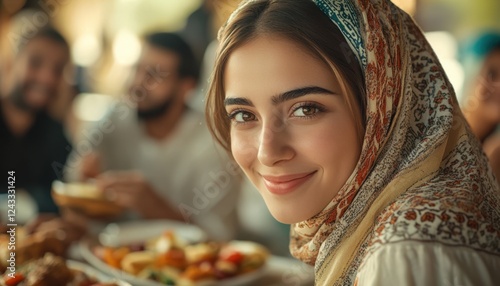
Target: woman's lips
[280,185]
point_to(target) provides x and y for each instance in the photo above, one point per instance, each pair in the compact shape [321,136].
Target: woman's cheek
[242,147]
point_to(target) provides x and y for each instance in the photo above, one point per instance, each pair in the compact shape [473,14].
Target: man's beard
[158,110]
[18,98]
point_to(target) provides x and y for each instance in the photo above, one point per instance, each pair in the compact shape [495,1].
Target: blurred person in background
[155,156]
[198,31]
[32,141]
[482,101]
[202,25]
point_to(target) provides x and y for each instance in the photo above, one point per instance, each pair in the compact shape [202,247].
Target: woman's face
[291,131]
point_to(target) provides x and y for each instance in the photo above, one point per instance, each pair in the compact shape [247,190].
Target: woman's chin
[289,214]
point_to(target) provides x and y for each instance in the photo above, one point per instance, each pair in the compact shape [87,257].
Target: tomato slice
[13,281]
[234,257]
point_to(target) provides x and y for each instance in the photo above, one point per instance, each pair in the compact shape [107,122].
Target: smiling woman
[294,136]
[342,117]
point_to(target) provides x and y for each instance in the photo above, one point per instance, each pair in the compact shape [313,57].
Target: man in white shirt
[154,155]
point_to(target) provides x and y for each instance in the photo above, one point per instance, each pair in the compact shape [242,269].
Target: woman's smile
[284,184]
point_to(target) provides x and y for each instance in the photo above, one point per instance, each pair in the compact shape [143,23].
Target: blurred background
[104,36]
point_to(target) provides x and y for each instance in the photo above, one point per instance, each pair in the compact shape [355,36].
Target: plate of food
[174,257]
[51,270]
[86,198]
[38,261]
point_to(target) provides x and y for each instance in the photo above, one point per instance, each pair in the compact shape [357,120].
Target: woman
[482,104]
[341,116]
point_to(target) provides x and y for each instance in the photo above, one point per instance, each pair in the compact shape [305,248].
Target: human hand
[90,166]
[131,190]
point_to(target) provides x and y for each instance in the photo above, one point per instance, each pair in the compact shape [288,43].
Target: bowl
[85,198]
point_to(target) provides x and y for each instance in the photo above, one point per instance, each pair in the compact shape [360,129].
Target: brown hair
[300,21]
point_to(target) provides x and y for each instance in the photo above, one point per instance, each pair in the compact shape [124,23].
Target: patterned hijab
[420,167]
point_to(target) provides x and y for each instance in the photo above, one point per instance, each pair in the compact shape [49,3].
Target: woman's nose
[274,145]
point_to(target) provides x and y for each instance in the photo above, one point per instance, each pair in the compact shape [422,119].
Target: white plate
[93,273]
[140,231]
[116,234]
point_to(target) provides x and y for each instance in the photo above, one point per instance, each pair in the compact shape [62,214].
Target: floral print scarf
[421,174]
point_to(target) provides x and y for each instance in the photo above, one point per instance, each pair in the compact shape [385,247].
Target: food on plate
[50,270]
[135,262]
[77,189]
[29,246]
[169,260]
[39,262]
[86,198]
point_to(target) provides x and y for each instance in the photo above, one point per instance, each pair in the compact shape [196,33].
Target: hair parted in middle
[301,22]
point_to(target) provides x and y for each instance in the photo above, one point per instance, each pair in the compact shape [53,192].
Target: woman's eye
[306,111]
[241,116]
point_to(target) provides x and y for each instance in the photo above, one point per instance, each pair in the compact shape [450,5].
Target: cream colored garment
[428,264]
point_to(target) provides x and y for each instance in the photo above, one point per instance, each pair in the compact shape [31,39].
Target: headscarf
[421,174]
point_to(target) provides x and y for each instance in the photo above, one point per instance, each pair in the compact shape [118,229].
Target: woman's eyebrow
[292,94]
[237,101]
[280,98]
